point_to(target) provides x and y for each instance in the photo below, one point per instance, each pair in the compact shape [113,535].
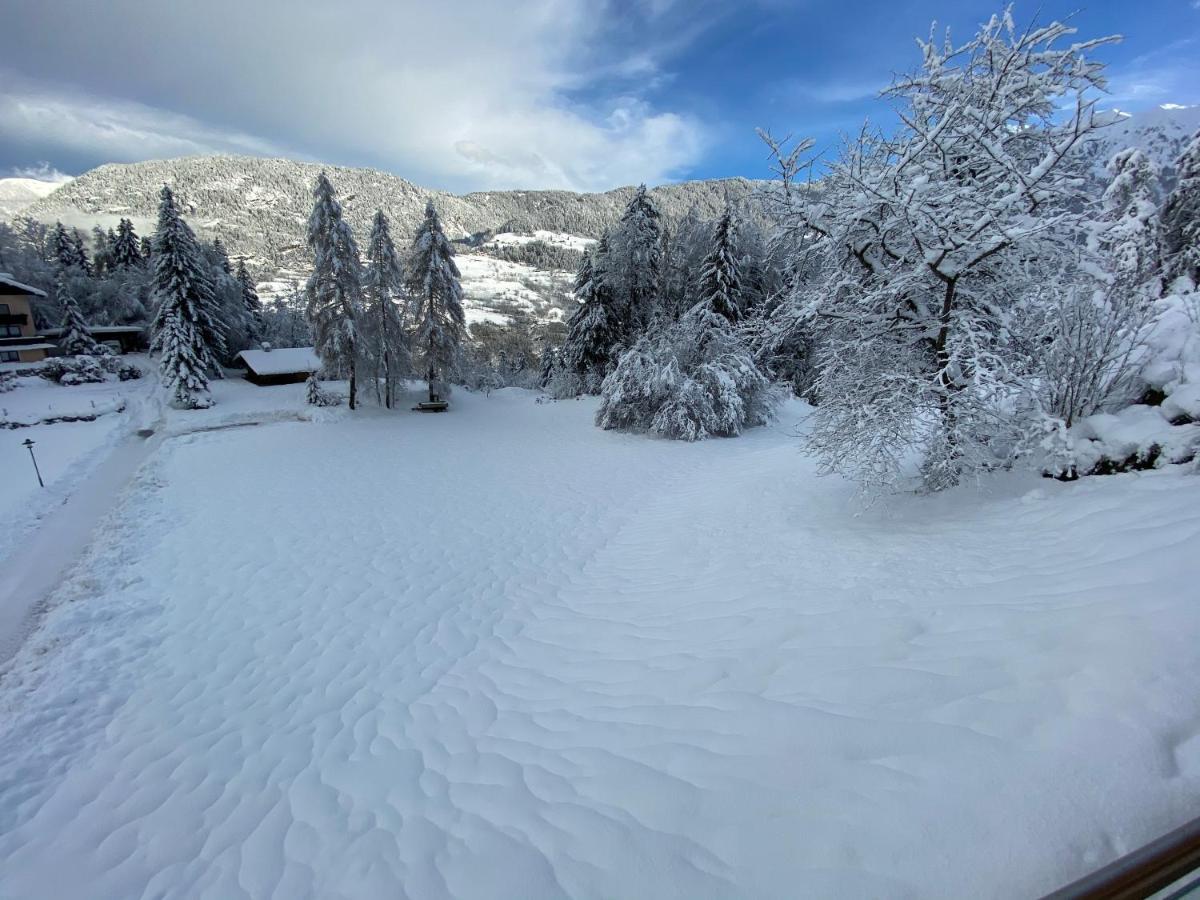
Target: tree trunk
[353,384]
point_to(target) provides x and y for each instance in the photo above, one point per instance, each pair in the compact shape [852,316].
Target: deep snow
[501,653]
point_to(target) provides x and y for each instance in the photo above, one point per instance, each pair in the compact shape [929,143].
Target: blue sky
[480,94]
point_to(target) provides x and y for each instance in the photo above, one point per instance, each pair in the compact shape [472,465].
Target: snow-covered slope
[1162,133]
[16,194]
[501,653]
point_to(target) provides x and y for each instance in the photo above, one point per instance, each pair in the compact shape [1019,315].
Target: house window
[10,330]
[9,356]
[4,310]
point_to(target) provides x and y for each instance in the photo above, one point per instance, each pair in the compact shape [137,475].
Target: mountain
[259,208]
[16,194]
[1162,133]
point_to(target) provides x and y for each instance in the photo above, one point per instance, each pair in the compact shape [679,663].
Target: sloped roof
[283,361]
[8,284]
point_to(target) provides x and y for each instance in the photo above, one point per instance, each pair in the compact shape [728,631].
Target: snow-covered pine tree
[633,265]
[252,306]
[687,381]
[1127,234]
[928,239]
[184,329]
[594,330]
[437,298]
[100,250]
[181,366]
[125,252]
[147,247]
[63,247]
[334,290]
[1181,218]
[76,339]
[720,278]
[383,292]
[82,262]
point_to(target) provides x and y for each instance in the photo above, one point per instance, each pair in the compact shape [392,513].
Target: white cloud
[474,94]
[41,171]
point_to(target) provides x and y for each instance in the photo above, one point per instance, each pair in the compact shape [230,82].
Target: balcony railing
[1172,861]
[14,319]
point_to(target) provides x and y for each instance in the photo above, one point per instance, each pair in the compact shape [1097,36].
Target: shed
[285,365]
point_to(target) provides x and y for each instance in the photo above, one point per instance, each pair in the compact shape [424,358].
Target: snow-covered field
[501,653]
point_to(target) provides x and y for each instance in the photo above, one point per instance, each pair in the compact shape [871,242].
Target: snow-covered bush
[317,395]
[71,370]
[8,382]
[692,380]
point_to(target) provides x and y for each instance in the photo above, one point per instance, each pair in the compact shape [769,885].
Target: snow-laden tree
[1181,218]
[1126,237]
[101,249]
[594,330]
[76,339]
[633,264]
[929,238]
[252,309]
[383,318]
[185,330]
[334,290]
[720,276]
[125,252]
[68,249]
[181,366]
[689,380]
[437,300]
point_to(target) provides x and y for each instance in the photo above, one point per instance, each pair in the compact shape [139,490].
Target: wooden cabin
[284,365]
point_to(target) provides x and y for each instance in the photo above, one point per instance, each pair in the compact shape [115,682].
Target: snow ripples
[499,653]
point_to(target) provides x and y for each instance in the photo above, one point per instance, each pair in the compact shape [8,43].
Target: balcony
[14,319]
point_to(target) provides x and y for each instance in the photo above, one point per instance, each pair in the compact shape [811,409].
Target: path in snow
[501,653]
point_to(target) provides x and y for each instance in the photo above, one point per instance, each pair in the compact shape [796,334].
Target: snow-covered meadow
[500,652]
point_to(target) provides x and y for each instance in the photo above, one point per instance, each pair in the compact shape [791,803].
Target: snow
[18,193]
[281,361]
[6,280]
[493,288]
[67,452]
[555,238]
[500,652]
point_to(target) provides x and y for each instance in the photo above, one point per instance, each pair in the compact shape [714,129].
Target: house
[19,339]
[119,338]
[285,365]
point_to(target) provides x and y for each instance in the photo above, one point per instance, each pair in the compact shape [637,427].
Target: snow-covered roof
[7,280]
[282,361]
[6,348]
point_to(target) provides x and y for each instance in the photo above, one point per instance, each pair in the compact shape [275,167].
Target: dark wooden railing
[13,319]
[1143,872]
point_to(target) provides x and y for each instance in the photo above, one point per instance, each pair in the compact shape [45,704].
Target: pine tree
[184,329]
[79,254]
[76,339]
[250,302]
[437,294]
[100,250]
[1181,218]
[594,330]
[125,252]
[720,279]
[634,264]
[1126,235]
[334,290]
[63,247]
[147,248]
[383,288]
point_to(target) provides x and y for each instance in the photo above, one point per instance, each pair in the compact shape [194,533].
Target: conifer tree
[79,254]
[76,339]
[126,252]
[383,288]
[634,269]
[1181,218]
[184,329]
[1126,234]
[63,247]
[251,303]
[437,295]
[720,279]
[334,291]
[594,330]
